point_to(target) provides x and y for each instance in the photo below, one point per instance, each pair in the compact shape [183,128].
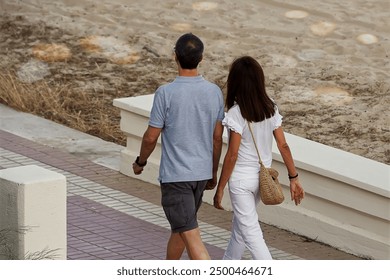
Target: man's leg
[189,240]
[181,202]
[175,247]
[194,245]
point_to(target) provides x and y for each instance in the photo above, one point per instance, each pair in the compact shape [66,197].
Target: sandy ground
[326,62]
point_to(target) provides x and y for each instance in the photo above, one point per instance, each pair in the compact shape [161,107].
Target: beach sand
[326,62]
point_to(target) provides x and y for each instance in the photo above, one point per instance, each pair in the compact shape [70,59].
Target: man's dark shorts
[181,202]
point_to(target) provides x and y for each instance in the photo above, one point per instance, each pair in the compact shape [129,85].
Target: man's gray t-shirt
[187,110]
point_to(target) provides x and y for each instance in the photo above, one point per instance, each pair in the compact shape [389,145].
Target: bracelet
[140,164]
[292,177]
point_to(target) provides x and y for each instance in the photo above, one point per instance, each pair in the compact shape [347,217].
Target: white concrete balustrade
[33,213]
[347,202]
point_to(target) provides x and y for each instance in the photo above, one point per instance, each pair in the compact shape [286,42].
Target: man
[188,113]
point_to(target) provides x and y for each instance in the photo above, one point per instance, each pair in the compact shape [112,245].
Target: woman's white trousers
[246,231]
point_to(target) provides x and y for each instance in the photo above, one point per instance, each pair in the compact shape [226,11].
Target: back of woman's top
[247,164]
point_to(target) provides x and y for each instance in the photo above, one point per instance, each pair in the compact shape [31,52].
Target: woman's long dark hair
[245,86]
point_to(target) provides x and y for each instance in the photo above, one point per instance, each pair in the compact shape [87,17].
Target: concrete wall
[33,213]
[347,202]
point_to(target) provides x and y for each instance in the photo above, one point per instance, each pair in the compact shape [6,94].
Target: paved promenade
[112,216]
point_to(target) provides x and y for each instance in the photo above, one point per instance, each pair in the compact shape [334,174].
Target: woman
[247,101]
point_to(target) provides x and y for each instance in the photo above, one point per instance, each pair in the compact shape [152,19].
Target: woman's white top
[247,164]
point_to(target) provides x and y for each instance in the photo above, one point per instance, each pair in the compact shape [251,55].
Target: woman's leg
[236,246]
[246,227]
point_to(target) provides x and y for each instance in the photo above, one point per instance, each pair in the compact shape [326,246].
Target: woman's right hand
[218,199]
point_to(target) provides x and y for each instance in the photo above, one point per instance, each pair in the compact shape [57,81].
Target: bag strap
[254,141]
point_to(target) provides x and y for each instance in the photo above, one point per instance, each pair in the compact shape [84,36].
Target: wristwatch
[140,164]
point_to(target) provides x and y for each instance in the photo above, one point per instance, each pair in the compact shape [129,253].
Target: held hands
[296,191]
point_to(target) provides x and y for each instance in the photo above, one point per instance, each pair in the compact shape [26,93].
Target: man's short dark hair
[189,51]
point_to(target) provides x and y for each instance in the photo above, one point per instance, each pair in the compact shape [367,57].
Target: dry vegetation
[63,104]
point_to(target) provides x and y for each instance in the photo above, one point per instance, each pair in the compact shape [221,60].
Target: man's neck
[188,72]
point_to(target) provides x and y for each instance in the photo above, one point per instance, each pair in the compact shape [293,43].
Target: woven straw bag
[270,189]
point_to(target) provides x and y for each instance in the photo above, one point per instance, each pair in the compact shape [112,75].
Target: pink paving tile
[110,234]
